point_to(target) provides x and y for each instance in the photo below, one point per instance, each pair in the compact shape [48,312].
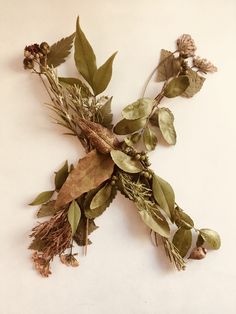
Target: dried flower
[28,63]
[69,260]
[41,264]
[198,253]
[186,45]
[204,65]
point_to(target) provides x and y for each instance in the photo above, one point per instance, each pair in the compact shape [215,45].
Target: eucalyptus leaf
[47,209]
[61,176]
[74,214]
[102,196]
[132,139]
[85,59]
[182,240]
[183,220]
[149,138]
[159,226]
[195,83]
[125,126]
[139,109]
[125,162]
[166,125]
[59,51]
[103,76]
[42,198]
[177,86]
[163,194]
[211,237]
[168,66]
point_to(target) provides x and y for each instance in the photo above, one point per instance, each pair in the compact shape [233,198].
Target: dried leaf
[166,125]
[200,241]
[59,51]
[195,83]
[61,176]
[89,173]
[126,162]
[132,139]
[100,137]
[101,197]
[182,240]
[103,75]
[149,138]
[85,59]
[182,219]
[37,245]
[177,86]
[139,109]
[168,66]
[104,114]
[163,194]
[47,209]
[198,253]
[211,237]
[80,235]
[74,214]
[158,225]
[129,126]
[42,198]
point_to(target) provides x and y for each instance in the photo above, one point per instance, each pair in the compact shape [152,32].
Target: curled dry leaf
[89,173]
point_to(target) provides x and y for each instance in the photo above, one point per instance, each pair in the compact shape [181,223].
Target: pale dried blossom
[41,264]
[204,65]
[186,45]
[69,260]
[198,253]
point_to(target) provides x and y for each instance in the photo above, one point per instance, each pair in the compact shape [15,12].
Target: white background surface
[123,272]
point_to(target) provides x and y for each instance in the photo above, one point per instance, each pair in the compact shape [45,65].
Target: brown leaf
[100,137]
[89,173]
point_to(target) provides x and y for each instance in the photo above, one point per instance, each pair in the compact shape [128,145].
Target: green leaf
[71,81]
[104,115]
[132,139]
[47,209]
[103,76]
[42,198]
[211,237]
[182,240]
[154,119]
[85,59]
[166,125]
[177,86]
[102,196]
[195,83]
[163,194]
[61,176]
[81,233]
[125,162]
[59,51]
[158,225]
[74,214]
[183,220]
[200,241]
[168,66]
[139,109]
[129,126]
[149,139]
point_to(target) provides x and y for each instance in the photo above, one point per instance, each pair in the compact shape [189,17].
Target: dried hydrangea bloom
[204,65]
[41,264]
[186,45]
[69,260]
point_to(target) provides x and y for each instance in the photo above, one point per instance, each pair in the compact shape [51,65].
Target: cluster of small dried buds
[114,180]
[204,65]
[41,264]
[148,174]
[186,46]
[142,156]
[69,260]
[36,53]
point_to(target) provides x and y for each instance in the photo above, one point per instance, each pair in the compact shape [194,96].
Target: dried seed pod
[45,48]
[198,253]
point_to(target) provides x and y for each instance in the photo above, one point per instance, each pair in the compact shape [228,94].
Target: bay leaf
[74,214]
[211,237]
[163,194]
[126,162]
[42,198]
[168,66]
[149,138]
[125,126]
[102,196]
[47,209]
[80,235]
[103,76]
[158,225]
[89,173]
[166,125]
[61,176]
[177,86]
[104,115]
[60,51]
[183,220]
[139,109]
[195,83]
[85,59]
[182,240]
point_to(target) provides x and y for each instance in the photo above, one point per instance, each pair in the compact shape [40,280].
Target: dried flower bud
[45,48]
[198,253]
[69,260]
[28,63]
[186,45]
[204,65]
[41,264]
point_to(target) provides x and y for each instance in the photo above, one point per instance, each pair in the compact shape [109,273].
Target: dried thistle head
[186,45]
[69,260]
[204,65]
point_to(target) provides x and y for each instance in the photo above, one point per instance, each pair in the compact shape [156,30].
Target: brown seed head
[186,45]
